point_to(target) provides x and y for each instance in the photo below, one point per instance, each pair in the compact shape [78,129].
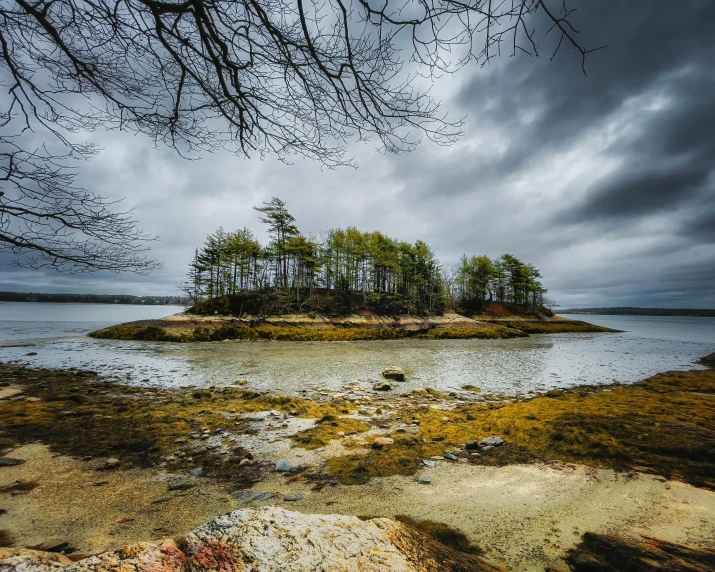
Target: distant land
[629,311]
[92,298]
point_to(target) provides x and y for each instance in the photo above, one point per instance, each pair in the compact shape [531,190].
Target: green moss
[138,426]
[327,429]
[401,458]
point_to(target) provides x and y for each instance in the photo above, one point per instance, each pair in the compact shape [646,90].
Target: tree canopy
[257,77]
[343,270]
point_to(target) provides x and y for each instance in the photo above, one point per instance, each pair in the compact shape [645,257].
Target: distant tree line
[92,298]
[631,311]
[344,270]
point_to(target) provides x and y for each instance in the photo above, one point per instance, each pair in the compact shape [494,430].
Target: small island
[344,285]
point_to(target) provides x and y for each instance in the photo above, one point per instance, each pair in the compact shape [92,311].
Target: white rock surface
[270,539]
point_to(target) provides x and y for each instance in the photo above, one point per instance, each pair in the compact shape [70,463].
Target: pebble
[284,466]
[437,458]
[110,464]
[292,497]
[180,441]
[487,448]
[425,480]
[471,445]
[429,464]
[195,435]
[243,462]
[382,386]
[474,455]
[197,472]
[451,456]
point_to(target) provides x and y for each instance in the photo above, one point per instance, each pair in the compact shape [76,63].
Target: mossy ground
[82,416]
[180,331]
[328,428]
[607,553]
[664,425]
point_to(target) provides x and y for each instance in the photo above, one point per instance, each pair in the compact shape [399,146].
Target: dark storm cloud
[634,194]
[605,182]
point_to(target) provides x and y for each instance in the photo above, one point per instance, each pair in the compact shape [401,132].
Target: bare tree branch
[257,77]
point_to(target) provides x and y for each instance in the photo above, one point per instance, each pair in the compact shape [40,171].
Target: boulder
[471,445]
[271,538]
[284,466]
[393,372]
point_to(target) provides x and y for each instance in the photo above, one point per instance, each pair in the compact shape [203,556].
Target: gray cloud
[605,182]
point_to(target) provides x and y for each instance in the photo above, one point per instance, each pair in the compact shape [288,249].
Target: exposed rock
[429,464]
[451,456]
[181,486]
[197,472]
[471,445]
[247,497]
[381,442]
[393,372]
[10,462]
[284,466]
[492,441]
[110,464]
[274,539]
[293,497]
[382,386]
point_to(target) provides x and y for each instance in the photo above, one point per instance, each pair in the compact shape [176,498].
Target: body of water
[55,335]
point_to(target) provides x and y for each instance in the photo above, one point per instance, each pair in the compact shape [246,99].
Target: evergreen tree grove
[347,267]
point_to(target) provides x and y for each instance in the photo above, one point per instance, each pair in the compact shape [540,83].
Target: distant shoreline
[629,311]
[92,299]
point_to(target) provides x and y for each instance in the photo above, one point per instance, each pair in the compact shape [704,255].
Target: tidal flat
[103,464]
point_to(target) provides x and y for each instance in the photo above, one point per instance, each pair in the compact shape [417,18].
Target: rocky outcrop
[273,539]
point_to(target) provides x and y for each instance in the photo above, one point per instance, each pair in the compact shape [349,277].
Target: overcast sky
[606,182]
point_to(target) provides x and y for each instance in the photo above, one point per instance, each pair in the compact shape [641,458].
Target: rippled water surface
[57,334]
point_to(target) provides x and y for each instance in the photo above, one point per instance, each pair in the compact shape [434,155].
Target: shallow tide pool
[57,335]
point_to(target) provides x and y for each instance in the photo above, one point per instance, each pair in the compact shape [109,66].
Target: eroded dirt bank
[307,327]
[107,465]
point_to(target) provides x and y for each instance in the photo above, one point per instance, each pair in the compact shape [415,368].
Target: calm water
[57,334]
